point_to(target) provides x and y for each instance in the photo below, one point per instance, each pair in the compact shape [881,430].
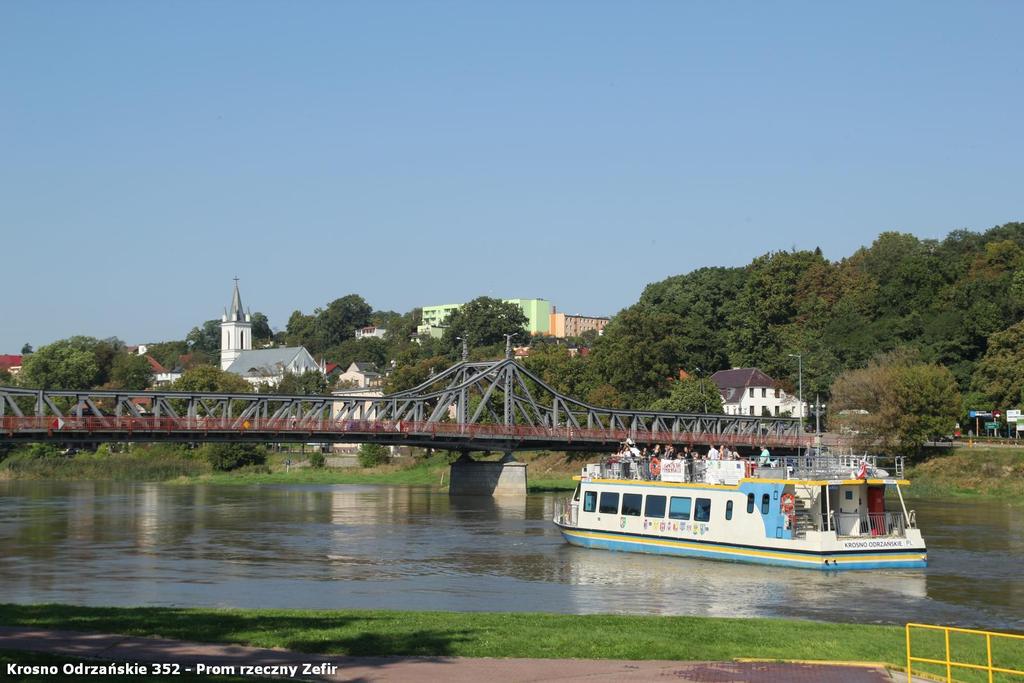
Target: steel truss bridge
[489,406]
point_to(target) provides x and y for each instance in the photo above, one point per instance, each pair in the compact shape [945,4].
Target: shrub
[372,454]
[224,457]
[317,461]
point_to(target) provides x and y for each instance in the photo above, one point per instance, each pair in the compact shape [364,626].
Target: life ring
[655,467]
[788,503]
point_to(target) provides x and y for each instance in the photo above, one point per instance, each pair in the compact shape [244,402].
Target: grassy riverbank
[482,634]
[178,464]
[970,473]
[533,635]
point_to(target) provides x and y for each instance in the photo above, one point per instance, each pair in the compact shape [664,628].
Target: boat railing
[565,512]
[835,466]
[868,523]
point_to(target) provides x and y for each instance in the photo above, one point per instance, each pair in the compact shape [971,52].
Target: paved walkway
[115,648]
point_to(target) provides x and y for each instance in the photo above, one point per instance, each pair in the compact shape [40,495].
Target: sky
[420,153]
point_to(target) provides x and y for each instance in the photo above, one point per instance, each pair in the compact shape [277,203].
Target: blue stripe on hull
[625,545]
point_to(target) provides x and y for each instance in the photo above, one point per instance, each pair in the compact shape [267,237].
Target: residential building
[537,312]
[565,325]
[361,375]
[370,331]
[262,366]
[749,391]
[11,363]
[161,375]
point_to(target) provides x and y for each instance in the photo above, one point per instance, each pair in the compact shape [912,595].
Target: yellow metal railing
[950,663]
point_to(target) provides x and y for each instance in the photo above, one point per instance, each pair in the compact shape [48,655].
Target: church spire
[237,314]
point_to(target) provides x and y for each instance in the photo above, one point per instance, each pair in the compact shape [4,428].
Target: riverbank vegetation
[970,473]
[244,464]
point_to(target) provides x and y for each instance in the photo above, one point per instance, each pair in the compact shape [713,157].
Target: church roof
[266,362]
[236,314]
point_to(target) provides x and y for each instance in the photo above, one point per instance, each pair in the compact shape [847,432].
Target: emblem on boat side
[622,523]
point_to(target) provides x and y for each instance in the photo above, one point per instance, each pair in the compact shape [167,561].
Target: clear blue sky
[430,152]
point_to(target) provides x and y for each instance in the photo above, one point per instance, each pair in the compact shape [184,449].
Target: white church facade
[257,366]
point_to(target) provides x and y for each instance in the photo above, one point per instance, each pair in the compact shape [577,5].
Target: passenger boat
[821,511]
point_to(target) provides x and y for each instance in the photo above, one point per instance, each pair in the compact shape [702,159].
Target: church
[257,366]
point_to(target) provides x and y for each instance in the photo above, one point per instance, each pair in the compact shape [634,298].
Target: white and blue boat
[824,512]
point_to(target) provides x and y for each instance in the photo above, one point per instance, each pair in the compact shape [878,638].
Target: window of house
[679,508]
[590,501]
[702,510]
[764,392]
[750,503]
[631,503]
[751,392]
[728,509]
[776,393]
[751,410]
[766,502]
[776,411]
[609,503]
[655,507]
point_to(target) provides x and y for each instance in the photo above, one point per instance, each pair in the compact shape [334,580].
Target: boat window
[655,507]
[609,503]
[590,501]
[849,495]
[750,502]
[702,511]
[679,508]
[631,503]
[728,509]
[766,502]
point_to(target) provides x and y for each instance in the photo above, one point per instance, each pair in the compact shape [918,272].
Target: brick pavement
[116,648]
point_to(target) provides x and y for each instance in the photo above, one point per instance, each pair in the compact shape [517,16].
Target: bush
[224,457]
[372,454]
[317,461]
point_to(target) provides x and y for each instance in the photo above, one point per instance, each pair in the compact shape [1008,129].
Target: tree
[205,339]
[309,383]
[484,322]
[907,402]
[131,371]
[339,320]
[999,376]
[26,349]
[168,353]
[261,332]
[408,376]
[64,364]
[224,457]
[691,395]
[372,454]
[211,378]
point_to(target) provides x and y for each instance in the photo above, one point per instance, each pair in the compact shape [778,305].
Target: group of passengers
[638,462]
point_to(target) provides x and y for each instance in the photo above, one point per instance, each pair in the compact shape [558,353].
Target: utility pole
[800,387]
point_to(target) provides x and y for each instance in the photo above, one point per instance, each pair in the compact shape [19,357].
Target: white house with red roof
[749,391]
[10,362]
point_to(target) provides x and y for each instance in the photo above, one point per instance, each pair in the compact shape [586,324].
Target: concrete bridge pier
[469,477]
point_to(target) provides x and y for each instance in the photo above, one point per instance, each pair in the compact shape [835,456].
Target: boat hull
[895,558]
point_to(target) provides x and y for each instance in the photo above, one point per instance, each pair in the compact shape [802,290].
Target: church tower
[235,331]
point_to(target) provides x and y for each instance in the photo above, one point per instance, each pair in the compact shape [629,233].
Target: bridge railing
[54,427]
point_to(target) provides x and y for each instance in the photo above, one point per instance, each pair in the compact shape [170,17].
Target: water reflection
[409,548]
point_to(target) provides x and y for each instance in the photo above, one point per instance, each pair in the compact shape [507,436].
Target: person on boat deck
[724,452]
[713,454]
[765,457]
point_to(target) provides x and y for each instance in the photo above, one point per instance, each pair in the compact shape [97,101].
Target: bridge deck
[425,434]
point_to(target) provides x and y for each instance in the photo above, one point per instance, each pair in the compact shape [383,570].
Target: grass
[22,658]
[970,473]
[483,634]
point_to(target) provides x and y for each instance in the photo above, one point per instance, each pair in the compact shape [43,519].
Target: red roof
[157,368]
[330,367]
[9,360]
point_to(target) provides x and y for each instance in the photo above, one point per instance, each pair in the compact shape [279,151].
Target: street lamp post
[800,386]
[700,385]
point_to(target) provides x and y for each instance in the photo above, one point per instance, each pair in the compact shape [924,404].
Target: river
[105,543]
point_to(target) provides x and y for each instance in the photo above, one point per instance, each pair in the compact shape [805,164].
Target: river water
[104,543]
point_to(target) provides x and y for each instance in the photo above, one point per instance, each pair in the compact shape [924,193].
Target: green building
[537,312]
